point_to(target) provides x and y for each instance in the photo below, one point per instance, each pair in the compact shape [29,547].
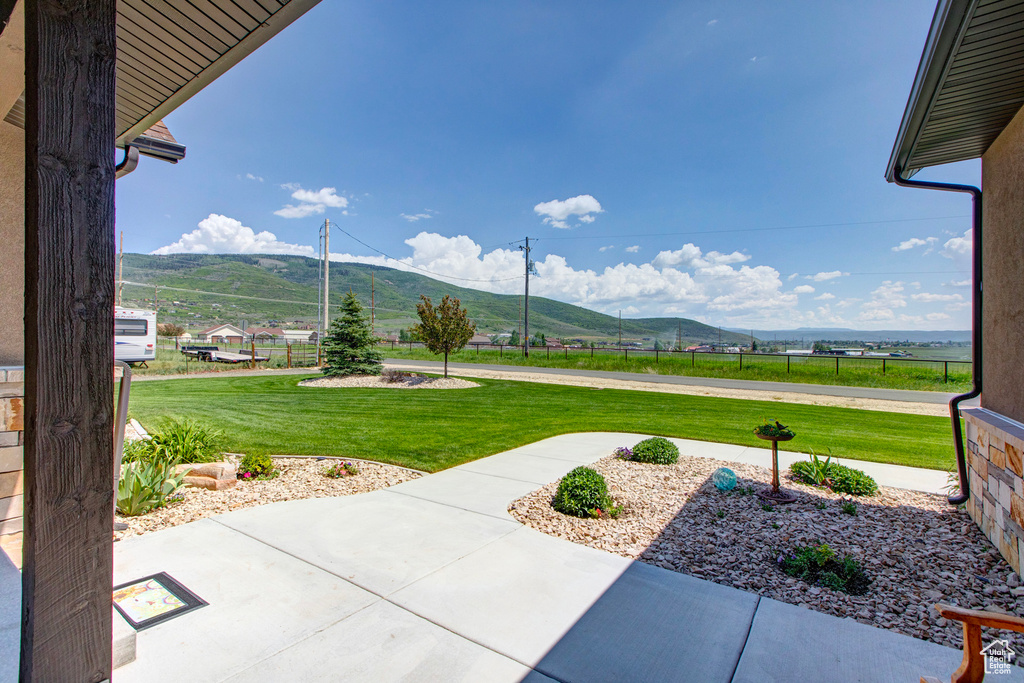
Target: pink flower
[247,475]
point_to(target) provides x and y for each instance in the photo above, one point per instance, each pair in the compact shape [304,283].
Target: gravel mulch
[374,382]
[299,478]
[916,548]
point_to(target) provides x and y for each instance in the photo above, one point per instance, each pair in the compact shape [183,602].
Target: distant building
[479,339]
[264,333]
[299,336]
[221,334]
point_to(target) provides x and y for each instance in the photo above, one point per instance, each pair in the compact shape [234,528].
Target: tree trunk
[446,364]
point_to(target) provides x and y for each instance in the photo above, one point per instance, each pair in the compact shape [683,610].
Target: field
[898,373]
[862,372]
[435,429]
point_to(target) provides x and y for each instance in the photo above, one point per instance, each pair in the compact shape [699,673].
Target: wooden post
[252,362]
[289,347]
[67,573]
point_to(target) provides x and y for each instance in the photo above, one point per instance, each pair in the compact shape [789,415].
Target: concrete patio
[432,580]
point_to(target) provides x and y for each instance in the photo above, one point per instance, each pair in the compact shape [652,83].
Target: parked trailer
[213,354]
[134,335]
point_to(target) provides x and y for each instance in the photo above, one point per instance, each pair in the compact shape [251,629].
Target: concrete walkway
[432,580]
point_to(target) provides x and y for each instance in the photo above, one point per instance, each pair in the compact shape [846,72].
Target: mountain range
[198,290]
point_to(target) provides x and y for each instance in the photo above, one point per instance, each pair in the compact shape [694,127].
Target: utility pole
[526,307]
[327,274]
[371,301]
[156,298]
[679,335]
[120,271]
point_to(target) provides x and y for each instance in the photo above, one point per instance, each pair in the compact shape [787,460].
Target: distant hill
[198,290]
[811,334]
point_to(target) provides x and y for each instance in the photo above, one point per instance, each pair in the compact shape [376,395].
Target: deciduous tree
[444,329]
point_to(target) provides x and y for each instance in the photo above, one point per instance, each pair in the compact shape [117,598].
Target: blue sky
[722,161]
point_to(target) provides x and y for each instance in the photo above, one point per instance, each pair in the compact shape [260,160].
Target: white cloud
[914,242]
[219,234]
[958,246]
[822,277]
[682,282]
[257,178]
[412,218]
[793,276]
[311,201]
[888,296]
[633,249]
[937,316]
[925,297]
[604,249]
[803,289]
[712,22]
[827,296]
[556,213]
[958,283]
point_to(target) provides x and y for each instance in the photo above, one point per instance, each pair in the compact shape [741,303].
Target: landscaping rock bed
[374,382]
[299,478]
[916,548]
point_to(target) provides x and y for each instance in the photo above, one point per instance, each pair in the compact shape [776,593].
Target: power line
[728,230]
[286,301]
[449,277]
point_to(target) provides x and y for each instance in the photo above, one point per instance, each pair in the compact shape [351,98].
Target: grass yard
[854,371]
[435,429]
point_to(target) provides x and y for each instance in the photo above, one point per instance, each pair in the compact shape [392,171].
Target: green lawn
[853,371]
[433,430]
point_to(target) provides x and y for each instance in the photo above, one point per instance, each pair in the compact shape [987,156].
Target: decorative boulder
[214,476]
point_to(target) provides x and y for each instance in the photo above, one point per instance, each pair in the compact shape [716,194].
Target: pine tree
[349,345]
[445,329]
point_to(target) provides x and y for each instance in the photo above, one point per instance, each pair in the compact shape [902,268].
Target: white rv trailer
[134,335]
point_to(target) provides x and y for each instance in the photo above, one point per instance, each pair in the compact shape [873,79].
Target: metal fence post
[626,351]
[788,358]
[567,353]
[693,359]
[655,355]
[883,366]
[741,361]
[837,366]
[945,371]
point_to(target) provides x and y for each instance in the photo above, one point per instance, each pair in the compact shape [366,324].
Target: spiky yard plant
[349,346]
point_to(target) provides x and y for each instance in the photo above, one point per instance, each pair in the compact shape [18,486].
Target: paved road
[740,384]
[467,369]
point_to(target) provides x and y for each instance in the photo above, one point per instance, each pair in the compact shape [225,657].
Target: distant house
[299,336]
[479,339]
[384,337]
[264,333]
[221,334]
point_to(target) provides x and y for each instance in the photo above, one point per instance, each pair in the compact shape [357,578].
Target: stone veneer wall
[12,476]
[996,473]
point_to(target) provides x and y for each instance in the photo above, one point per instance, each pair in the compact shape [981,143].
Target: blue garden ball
[724,479]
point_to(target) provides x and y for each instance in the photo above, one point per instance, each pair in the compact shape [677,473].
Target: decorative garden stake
[775,432]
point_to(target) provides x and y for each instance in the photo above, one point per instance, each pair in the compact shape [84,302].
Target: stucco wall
[1003,254]
[12,244]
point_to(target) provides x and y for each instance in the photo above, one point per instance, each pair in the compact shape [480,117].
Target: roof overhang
[969,85]
[169,51]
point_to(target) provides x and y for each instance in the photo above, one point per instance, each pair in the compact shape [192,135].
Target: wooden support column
[69,299]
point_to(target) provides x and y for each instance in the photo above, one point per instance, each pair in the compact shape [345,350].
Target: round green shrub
[256,466]
[583,493]
[656,450]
